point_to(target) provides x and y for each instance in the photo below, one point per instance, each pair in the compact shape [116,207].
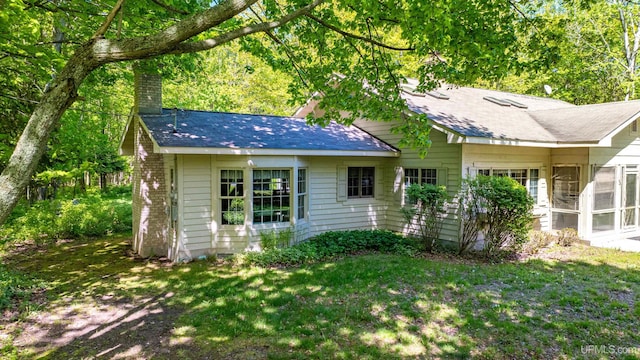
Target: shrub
[503,209]
[537,240]
[91,215]
[331,244]
[427,211]
[273,239]
[566,237]
[471,215]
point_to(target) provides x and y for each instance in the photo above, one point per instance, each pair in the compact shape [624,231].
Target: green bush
[95,214]
[275,239]
[427,211]
[504,212]
[331,244]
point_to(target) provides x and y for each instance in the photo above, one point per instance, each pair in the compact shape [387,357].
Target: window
[634,127]
[232,197]
[534,179]
[411,176]
[528,178]
[271,196]
[302,193]
[360,182]
[429,176]
[420,176]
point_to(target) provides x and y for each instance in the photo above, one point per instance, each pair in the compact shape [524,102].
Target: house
[211,183]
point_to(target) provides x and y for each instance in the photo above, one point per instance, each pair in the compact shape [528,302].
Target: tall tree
[314,39]
[595,46]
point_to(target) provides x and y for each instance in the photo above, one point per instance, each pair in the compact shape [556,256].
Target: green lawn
[576,302]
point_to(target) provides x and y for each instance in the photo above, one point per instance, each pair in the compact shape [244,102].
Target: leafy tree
[593,49]
[456,41]
[230,80]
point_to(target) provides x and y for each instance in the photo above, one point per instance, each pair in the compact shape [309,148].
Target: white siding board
[197,197]
[624,150]
[441,155]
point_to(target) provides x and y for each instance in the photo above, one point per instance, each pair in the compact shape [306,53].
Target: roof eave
[533,143]
[271,152]
[126,134]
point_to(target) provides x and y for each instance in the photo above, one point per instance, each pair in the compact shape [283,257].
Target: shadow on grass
[373,306]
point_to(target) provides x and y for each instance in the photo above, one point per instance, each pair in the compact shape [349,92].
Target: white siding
[624,150]
[195,198]
[327,213]
[570,156]
[477,156]
[441,155]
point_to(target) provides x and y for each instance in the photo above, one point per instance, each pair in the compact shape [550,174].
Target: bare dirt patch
[101,328]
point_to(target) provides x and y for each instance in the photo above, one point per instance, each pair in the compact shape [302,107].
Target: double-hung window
[302,193]
[420,176]
[232,197]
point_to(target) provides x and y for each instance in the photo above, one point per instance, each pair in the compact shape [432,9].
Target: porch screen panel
[604,186]
[604,190]
[631,184]
[565,197]
[562,220]
[566,187]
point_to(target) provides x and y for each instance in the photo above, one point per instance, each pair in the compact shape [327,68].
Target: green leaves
[426,209]
[501,208]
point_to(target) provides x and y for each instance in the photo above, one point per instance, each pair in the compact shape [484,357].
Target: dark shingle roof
[203,129]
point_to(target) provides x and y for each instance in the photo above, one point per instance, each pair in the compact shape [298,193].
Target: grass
[575,302]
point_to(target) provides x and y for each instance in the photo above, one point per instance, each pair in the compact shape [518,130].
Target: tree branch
[107,22]
[247,30]
[169,7]
[290,55]
[56,8]
[354,36]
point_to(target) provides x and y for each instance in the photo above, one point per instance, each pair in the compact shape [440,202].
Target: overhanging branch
[354,36]
[169,7]
[107,22]
[208,44]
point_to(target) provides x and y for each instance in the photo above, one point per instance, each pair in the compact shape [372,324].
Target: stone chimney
[148,93]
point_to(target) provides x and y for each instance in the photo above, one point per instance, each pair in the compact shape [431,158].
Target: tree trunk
[99,51]
[32,143]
